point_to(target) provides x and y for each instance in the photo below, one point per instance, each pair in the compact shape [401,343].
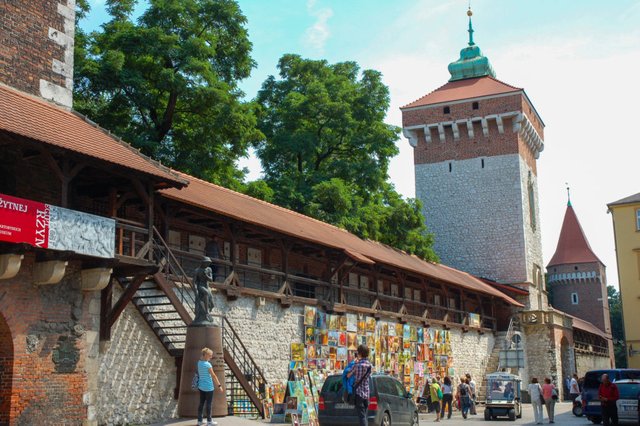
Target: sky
[577,60]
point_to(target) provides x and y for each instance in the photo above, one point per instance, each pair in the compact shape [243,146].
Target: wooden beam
[125,298]
[106,300]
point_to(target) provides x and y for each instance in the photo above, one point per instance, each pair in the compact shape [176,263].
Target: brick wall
[49,326]
[593,305]
[6,368]
[29,48]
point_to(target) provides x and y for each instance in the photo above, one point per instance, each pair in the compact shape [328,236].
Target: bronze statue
[204,298]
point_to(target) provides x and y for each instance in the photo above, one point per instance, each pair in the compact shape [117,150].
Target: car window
[630,374]
[385,386]
[592,379]
[332,384]
[629,390]
[399,388]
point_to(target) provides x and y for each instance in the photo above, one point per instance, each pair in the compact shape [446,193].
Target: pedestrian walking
[361,370]
[550,396]
[574,389]
[472,385]
[447,398]
[436,397]
[535,392]
[206,377]
[608,394]
[464,396]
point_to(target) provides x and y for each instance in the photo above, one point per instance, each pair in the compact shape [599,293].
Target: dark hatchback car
[389,403]
[590,403]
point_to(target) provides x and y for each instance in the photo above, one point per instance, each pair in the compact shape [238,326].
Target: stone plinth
[197,338]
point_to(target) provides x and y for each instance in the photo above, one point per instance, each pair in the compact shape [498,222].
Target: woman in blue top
[206,377]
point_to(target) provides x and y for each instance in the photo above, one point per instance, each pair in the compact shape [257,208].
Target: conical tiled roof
[573,246]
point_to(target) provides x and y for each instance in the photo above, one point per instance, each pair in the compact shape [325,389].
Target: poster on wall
[56,228]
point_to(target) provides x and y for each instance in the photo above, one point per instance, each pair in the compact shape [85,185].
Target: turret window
[475,105]
[447,110]
[574,298]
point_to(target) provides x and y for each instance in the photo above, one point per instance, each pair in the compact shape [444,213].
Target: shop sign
[56,228]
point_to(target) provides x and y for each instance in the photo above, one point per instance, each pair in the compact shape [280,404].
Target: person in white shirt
[535,391]
[574,389]
[472,385]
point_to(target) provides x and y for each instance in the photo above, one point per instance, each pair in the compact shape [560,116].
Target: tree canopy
[326,151]
[168,83]
[617,326]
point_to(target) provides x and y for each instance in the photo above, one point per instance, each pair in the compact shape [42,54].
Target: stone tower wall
[37,47]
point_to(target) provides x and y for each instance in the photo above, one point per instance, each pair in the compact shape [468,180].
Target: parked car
[590,402]
[628,402]
[389,403]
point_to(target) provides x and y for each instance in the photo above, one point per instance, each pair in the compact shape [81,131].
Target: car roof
[627,381]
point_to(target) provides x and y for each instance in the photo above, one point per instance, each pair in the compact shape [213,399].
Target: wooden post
[106,300]
[151,218]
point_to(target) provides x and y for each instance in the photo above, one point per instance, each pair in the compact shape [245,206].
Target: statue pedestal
[197,338]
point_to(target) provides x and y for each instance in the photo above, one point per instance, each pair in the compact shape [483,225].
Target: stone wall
[37,47]
[136,376]
[476,215]
[587,362]
[267,332]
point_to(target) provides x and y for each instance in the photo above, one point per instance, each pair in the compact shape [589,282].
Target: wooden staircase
[493,365]
[167,302]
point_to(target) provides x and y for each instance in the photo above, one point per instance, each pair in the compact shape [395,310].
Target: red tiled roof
[464,89]
[573,246]
[27,116]
[241,207]
[505,287]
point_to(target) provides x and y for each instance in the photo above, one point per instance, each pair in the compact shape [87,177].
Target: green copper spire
[471,63]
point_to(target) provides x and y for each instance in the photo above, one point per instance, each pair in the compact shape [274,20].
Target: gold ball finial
[469,13]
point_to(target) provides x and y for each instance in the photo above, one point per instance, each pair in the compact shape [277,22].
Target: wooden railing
[132,239]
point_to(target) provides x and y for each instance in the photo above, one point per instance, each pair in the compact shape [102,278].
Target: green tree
[617,326]
[326,151]
[167,83]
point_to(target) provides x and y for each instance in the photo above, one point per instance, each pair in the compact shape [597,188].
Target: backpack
[348,382]
[463,390]
[195,380]
[349,395]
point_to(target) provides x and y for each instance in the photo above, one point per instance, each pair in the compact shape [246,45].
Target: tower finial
[568,195]
[469,14]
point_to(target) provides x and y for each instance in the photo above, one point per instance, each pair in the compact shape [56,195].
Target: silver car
[628,402]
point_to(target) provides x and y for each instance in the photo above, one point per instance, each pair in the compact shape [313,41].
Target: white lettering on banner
[10,205]
[42,223]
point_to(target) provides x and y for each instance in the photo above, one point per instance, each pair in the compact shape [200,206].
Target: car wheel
[512,414]
[487,414]
[414,419]
[386,420]
[577,411]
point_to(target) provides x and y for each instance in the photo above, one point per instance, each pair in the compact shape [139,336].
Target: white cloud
[317,34]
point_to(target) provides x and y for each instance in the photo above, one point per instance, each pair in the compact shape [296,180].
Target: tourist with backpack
[464,396]
[436,397]
[203,380]
[472,386]
[361,371]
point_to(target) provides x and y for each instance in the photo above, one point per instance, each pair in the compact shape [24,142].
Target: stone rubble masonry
[136,376]
[585,362]
[37,40]
[268,331]
[480,216]
[45,333]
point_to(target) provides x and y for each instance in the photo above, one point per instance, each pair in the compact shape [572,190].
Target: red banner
[24,221]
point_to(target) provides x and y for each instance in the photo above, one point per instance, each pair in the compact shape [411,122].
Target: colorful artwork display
[411,353]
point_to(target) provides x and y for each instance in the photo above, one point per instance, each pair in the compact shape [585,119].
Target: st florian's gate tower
[476,141]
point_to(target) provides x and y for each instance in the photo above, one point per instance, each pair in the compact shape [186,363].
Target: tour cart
[503,396]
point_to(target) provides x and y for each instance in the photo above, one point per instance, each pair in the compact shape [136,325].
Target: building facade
[626,228]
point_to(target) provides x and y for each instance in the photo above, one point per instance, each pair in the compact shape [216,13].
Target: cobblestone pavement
[563,417]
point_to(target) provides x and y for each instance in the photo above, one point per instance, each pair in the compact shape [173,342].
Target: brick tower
[577,277]
[36,53]
[476,141]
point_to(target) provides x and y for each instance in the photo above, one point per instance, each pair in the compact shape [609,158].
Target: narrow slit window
[450,167]
[574,298]
[482,162]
